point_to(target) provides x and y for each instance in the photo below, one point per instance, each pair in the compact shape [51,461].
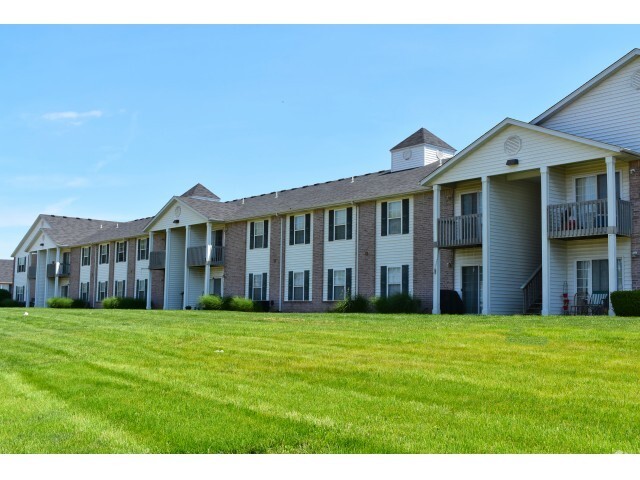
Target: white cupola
[418,150]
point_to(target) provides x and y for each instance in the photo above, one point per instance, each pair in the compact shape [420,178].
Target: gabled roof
[6,271]
[606,73]
[510,121]
[118,231]
[68,231]
[200,191]
[421,137]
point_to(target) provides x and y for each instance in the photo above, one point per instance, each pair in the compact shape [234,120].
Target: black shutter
[291,231]
[330,284]
[383,221]
[108,245]
[331,223]
[89,260]
[290,286]
[251,233]
[138,252]
[137,295]
[126,249]
[306,284]
[349,223]
[265,239]
[347,293]
[383,281]
[405,215]
[251,286]
[264,286]
[307,228]
[146,288]
[405,279]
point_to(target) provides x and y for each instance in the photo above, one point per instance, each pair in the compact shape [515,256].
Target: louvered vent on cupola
[418,150]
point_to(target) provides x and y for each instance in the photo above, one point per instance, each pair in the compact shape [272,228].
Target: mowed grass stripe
[324,383]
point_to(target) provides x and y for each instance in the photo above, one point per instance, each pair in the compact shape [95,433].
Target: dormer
[418,150]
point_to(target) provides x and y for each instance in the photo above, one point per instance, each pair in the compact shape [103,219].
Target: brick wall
[446,255]
[235,259]
[131,267]
[32,282]
[74,274]
[634,193]
[157,276]
[423,250]
[367,249]
[275,232]
[112,266]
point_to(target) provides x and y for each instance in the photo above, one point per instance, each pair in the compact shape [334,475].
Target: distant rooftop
[421,137]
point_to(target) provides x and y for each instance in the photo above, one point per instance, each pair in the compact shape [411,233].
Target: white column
[207,266]
[27,286]
[436,250]
[612,204]
[56,279]
[185,289]
[149,271]
[167,267]
[486,263]
[46,278]
[545,242]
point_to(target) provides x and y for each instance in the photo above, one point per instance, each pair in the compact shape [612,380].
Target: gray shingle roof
[351,189]
[69,231]
[421,137]
[6,271]
[199,190]
[118,231]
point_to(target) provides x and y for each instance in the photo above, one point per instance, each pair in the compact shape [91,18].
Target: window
[20,294]
[394,217]
[120,288]
[298,286]
[258,234]
[471,203]
[594,187]
[215,286]
[394,280]
[85,255]
[141,289]
[102,290]
[84,291]
[64,291]
[22,264]
[143,249]
[121,252]
[103,254]
[338,284]
[596,272]
[582,276]
[298,229]
[340,224]
[258,286]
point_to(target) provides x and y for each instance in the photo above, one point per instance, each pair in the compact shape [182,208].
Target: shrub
[210,302]
[126,303]
[59,302]
[399,303]
[5,294]
[626,303]
[357,304]
[9,303]
[79,303]
[241,304]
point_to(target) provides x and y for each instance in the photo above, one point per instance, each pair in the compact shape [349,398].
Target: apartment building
[524,219]
[6,275]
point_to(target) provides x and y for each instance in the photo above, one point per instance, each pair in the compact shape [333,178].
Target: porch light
[176,221]
[512,161]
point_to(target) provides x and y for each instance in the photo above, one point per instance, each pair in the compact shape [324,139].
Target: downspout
[280,266]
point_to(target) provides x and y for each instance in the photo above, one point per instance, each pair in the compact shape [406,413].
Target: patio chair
[580,304]
[599,303]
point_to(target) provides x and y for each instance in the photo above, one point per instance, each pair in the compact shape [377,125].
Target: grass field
[90,381]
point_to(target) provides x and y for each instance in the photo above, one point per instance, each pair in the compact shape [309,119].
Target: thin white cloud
[75,118]
[47,182]
[59,207]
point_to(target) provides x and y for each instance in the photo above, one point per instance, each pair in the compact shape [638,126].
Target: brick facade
[275,265]
[634,196]
[235,259]
[112,265]
[367,249]
[131,267]
[423,250]
[157,276]
[446,255]
[74,274]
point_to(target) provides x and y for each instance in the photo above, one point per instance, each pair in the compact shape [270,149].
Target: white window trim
[145,250]
[294,299]
[253,289]
[344,285]
[389,267]
[336,224]
[590,278]
[303,230]
[394,218]
[100,255]
[123,252]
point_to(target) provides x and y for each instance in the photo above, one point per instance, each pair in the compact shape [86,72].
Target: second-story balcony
[588,219]
[58,270]
[157,260]
[460,231]
[198,256]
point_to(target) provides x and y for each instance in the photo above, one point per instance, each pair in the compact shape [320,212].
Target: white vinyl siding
[188,216]
[608,113]
[142,266]
[299,258]
[174,277]
[195,275]
[340,255]
[420,155]
[257,259]
[394,250]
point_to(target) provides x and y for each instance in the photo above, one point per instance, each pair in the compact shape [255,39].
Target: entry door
[471,289]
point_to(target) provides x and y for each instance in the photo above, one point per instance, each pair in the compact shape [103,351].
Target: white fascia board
[170,203]
[26,237]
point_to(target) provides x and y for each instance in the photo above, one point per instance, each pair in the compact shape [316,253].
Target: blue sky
[110,121]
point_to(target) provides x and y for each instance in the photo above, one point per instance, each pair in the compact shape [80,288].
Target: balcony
[461,231]
[31,272]
[157,260]
[587,219]
[197,256]
[58,270]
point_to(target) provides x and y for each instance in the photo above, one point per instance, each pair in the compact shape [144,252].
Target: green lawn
[113,381]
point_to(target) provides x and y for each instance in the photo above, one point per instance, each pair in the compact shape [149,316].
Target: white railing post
[486,260]
[436,251]
[611,230]
[546,243]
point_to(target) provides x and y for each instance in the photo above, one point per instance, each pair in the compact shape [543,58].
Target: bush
[126,303]
[357,304]
[5,294]
[79,303]
[59,302]
[399,303]
[9,303]
[241,304]
[626,303]
[210,302]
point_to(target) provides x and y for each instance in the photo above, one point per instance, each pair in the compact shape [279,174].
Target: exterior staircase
[532,293]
